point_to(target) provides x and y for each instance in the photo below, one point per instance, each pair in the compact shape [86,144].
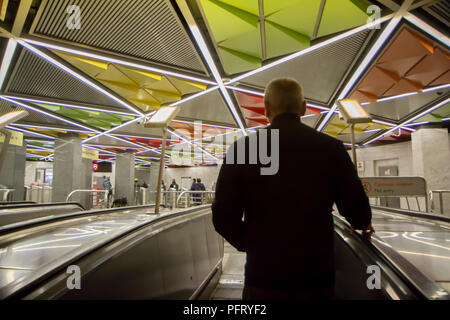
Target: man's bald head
[284,95]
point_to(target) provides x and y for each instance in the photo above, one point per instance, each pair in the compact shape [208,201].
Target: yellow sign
[16,138]
[89,154]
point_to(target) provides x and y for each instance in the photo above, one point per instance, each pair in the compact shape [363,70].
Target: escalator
[129,253]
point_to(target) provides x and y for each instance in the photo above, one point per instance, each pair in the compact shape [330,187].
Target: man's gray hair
[284,95]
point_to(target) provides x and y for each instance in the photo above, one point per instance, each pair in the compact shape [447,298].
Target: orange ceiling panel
[412,62]
[444,79]
[430,68]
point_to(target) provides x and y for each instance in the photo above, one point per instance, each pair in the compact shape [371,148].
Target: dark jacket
[287,229]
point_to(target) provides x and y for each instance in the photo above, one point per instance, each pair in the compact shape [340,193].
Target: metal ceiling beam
[184,8]
[427,28]
[311,48]
[104,56]
[365,63]
[21,16]
[63,65]
[64,103]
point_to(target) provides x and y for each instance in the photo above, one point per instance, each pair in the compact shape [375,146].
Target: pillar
[12,172]
[431,160]
[71,171]
[154,172]
[124,177]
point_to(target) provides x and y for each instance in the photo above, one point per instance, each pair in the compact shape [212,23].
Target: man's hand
[368,231]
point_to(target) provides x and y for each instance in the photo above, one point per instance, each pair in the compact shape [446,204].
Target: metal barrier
[379,188]
[6,193]
[441,202]
[175,199]
[94,193]
[38,194]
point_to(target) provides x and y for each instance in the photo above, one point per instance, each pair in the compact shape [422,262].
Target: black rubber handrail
[415,214]
[39,221]
[50,204]
[420,283]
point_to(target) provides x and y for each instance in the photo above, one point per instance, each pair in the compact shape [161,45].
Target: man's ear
[303,111]
[267,112]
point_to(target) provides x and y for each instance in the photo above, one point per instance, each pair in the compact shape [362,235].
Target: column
[124,177]
[71,171]
[12,172]
[431,160]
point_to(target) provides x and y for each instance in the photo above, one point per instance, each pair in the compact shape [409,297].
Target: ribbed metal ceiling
[140,28]
[320,71]
[35,76]
[441,11]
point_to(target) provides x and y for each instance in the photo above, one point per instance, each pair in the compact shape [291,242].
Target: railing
[38,194]
[173,199]
[441,202]
[93,192]
[5,193]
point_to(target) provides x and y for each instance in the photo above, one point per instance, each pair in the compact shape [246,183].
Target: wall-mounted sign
[394,186]
[95,166]
[16,138]
[89,154]
[360,165]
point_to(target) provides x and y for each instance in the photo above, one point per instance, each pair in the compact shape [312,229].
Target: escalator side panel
[169,264]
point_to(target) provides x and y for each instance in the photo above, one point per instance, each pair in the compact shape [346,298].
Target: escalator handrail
[414,277]
[14,288]
[415,214]
[33,204]
[34,222]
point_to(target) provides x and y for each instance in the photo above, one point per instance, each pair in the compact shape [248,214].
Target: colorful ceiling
[147,90]
[337,126]
[412,62]
[289,26]
[252,107]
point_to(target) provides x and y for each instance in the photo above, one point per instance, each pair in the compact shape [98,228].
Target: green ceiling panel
[227,21]
[102,120]
[281,40]
[235,61]
[300,16]
[437,115]
[339,15]
[250,6]
[289,27]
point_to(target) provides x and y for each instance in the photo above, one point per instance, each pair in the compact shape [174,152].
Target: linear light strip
[112,129]
[312,48]
[152,112]
[99,150]
[48,114]
[6,62]
[33,147]
[30,132]
[47,128]
[366,61]
[427,28]
[209,60]
[78,125]
[79,76]
[193,144]
[195,95]
[440,104]
[69,105]
[117,61]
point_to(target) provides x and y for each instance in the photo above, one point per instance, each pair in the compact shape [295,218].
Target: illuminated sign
[95,166]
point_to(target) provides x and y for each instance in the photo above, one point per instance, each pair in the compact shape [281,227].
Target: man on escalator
[276,205]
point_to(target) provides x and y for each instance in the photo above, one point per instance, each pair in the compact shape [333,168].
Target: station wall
[208,174]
